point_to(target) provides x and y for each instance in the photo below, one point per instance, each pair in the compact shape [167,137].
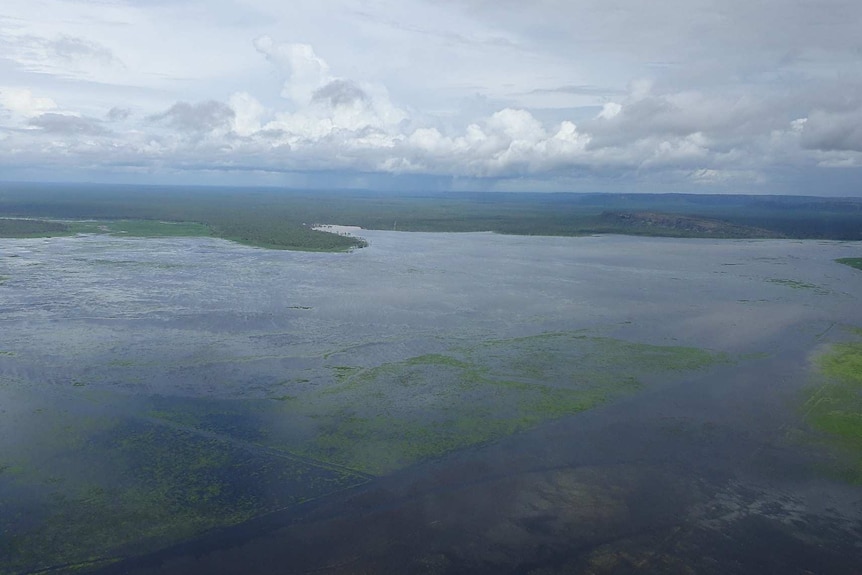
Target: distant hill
[655,223]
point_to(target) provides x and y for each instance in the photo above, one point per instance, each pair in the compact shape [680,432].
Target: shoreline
[337,229]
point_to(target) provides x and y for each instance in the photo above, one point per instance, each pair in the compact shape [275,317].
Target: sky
[700,96]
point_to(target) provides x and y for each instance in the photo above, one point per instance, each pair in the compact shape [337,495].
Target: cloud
[327,111]
[829,131]
[72,48]
[548,92]
[610,110]
[248,113]
[118,114]
[340,93]
[508,143]
[66,124]
[22,102]
[199,117]
[303,71]
[44,50]
[582,90]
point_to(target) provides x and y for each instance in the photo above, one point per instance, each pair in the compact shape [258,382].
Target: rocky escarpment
[656,223]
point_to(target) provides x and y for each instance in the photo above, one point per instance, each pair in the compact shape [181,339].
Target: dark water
[188,354]
[658,484]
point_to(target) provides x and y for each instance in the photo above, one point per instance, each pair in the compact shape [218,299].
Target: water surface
[432,403]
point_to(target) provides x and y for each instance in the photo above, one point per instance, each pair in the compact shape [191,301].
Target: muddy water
[712,471]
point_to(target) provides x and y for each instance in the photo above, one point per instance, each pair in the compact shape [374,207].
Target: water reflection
[155,389]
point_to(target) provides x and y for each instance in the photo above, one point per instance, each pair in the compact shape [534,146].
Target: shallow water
[173,386]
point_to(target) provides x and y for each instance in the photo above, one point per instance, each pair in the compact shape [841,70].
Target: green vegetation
[283,218]
[383,418]
[852,262]
[246,216]
[140,228]
[139,485]
[103,476]
[378,419]
[835,406]
[261,236]
[18,228]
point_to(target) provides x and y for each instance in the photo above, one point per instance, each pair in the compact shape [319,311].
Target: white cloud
[22,102]
[517,125]
[304,72]
[610,110]
[546,90]
[247,113]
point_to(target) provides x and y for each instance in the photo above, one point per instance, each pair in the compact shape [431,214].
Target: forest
[284,219]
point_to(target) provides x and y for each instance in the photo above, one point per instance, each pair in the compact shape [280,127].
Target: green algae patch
[844,363]
[383,418]
[799,285]
[834,407]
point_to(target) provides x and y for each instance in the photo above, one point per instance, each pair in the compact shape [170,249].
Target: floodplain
[431,403]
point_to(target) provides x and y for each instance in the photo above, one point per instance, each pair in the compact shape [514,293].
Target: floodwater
[434,403]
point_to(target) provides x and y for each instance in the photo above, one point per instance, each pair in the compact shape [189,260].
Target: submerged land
[834,407]
[434,402]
